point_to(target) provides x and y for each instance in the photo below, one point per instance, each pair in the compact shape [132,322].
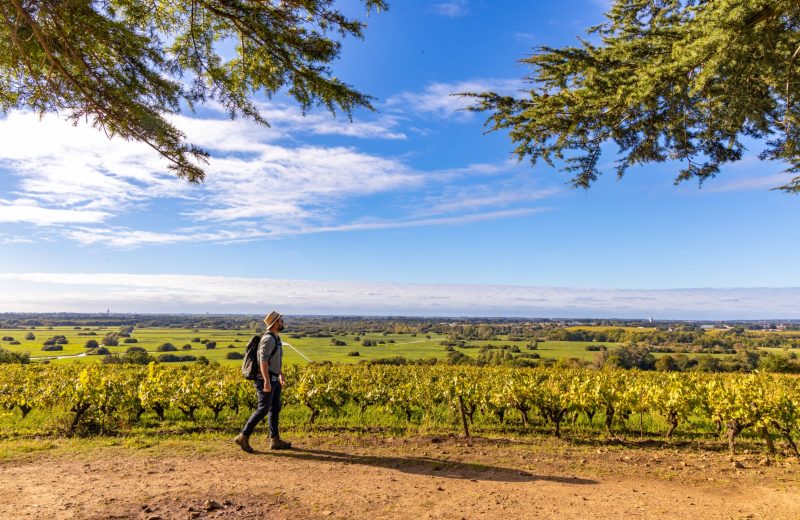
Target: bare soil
[364,476]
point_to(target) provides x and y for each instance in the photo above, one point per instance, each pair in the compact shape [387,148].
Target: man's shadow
[427,466]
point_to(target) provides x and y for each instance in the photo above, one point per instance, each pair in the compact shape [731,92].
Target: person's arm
[264,349]
[265,374]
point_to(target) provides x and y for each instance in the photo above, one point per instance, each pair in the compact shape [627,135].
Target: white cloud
[439,99]
[72,174]
[76,175]
[82,183]
[290,186]
[87,292]
[16,213]
[453,8]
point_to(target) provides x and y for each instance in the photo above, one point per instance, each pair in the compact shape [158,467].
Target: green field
[316,349]
[297,350]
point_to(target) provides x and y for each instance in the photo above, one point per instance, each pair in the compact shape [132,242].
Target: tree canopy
[665,80]
[126,65]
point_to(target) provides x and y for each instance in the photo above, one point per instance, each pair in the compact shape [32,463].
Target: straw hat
[271,318]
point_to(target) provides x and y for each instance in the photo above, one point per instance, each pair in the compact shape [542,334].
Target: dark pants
[269,404]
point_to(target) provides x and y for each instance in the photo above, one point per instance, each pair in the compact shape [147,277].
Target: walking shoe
[244,442]
[276,443]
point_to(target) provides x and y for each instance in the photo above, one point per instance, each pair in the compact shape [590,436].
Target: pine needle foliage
[127,65]
[666,80]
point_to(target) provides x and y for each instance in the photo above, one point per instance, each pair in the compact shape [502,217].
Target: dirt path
[374,477]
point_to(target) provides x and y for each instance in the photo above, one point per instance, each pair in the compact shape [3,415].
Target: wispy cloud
[456,200]
[526,37]
[188,293]
[289,120]
[440,99]
[125,238]
[750,183]
[420,222]
[452,9]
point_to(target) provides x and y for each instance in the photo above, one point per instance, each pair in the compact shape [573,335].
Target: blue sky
[408,210]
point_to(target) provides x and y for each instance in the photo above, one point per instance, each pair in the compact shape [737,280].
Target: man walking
[268,385]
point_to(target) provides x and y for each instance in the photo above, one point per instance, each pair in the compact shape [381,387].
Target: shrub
[186,347]
[211,345]
[338,343]
[15,343]
[92,343]
[354,353]
[666,364]
[56,340]
[174,358]
[595,348]
[14,357]
[30,336]
[195,340]
[99,351]
[8,338]
[166,347]
[234,355]
[52,348]
[130,340]
[111,339]
[113,359]
[368,343]
[137,356]
[397,360]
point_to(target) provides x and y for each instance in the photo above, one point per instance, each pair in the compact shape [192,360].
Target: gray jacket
[266,347]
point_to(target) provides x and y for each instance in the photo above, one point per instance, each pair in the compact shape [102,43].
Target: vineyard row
[768,404]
